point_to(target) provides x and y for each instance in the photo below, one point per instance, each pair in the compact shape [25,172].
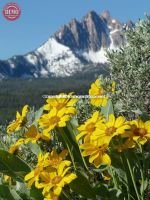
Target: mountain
[77,47]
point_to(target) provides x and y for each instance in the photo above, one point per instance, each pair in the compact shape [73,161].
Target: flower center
[110,130]
[54,162]
[90,127]
[60,106]
[54,120]
[101,91]
[56,180]
[103,149]
[140,132]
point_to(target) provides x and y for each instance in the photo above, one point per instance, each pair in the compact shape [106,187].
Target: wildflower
[53,182]
[32,135]
[140,131]
[16,146]
[51,174]
[33,176]
[19,122]
[97,90]
[46,162]
[45,136]
[110,128]
[54,159]
[97,153]
[7,179]
[89,126]
[60,103]
[53,119]
[128,144]
[106,176]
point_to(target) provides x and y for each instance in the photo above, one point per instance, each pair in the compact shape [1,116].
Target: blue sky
[41,18]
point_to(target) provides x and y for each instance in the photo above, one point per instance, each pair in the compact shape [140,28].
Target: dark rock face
[97,31]
[93,33]
[90,34]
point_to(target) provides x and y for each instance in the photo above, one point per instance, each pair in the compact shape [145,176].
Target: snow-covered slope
[61,60]
[75,46]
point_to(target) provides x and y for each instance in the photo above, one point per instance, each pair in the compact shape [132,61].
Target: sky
[41,18]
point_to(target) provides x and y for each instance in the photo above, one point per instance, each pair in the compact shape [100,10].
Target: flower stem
[114,179]
[133,180]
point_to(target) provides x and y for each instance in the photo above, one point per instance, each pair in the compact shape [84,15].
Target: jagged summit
[76,46]
[91,33]
[106,15]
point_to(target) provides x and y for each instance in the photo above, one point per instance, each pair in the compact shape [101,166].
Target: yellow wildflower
[54,159]
[19,122]
[33,176]
[55,180]
[8,179]
[97,153]
[128,144]
[106,176]
[107,130]
[53,119]
[140,131]
[50,196]
[60,103]
[45,136]
[32,135]
[16,146]
[47,162]
[97,90]
[89,126]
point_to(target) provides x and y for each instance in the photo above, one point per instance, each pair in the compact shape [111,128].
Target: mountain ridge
[70,49]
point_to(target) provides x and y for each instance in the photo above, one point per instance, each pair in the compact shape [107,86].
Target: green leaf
[82,186]
[22,190]
[7,194]
[69,141]
[64,196]
[103,192]
[36,194]
[13,166]
[38,113]
[108,109]
[35,148]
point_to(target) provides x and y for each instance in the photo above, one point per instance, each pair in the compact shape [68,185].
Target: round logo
[11,11]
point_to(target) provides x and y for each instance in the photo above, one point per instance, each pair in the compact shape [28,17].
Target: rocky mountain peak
[76,46]
[106,15]
[91,15]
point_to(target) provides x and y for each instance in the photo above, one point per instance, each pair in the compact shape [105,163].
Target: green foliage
[13,166]
[108,109]
[130,68]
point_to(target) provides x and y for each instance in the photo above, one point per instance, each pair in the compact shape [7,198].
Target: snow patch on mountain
[96,57]
[31,58]
[60,60]
[12,65]
[52,49]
